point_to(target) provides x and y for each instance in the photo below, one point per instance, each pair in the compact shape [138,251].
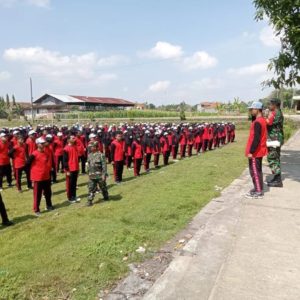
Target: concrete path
[243,249]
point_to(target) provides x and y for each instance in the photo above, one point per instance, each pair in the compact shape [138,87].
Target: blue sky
[156,51]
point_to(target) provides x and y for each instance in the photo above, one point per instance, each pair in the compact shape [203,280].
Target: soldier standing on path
[97,171]
[276,139]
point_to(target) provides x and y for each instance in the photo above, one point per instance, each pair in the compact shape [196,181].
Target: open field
[83,248]
[75,251]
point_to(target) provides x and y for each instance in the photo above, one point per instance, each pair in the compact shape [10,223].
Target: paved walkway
[244,249]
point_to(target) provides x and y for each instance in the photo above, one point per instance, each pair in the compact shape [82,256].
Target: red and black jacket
[70,158]
[39,166]
[4,151]
[257,140]
[137,150]
[117,150]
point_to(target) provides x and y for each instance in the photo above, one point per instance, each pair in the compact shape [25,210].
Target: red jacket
[117,151]
[31,146]
[19,156]
[261,149]
[58,146]
[40,170]
[71,158]
[49,150]
[164,144]
[80,146]
[4,149]
[137,150]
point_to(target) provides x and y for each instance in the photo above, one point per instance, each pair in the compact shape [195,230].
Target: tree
[151,106]
[285,95]
[13,100]
[7,101]
[284,17]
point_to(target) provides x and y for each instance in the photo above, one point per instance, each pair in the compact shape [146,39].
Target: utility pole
[31,99]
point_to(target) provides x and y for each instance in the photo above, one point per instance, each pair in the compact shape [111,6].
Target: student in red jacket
[117,157]
[147,150]
[49,148]
[182,143]
[190,141]
[71,167]
[205,137]
[137,154]
[156,149]
[30,142]
[256,149]
[5,167]
[58,147]
[81,148]
[38,163]
[164,143]
[19,156]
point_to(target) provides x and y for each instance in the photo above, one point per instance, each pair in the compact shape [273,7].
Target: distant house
[296,103]
[53,103]
[208,107]
[140,106]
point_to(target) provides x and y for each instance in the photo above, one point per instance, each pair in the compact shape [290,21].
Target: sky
[159,51]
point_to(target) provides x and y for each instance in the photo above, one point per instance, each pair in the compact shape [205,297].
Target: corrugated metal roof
[69,99]
[103,100]
[66,98]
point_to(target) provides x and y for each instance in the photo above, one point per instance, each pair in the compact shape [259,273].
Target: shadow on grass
[19,220]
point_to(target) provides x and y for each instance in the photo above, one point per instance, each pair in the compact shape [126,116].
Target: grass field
[74,251]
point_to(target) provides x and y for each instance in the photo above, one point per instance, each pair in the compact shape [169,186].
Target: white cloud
[164,50]
[4,75]
[250,70]
[38,3]
[206,83]
[113,60]
[199,60]
[159,86]
[53,64]
[268,38]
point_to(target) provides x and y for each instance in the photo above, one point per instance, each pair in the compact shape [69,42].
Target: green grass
[75,251]
[77,247]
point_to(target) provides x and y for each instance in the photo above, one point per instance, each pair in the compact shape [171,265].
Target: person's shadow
[19,220]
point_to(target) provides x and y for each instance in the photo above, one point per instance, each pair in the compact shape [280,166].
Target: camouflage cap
[93,144]
[275,101]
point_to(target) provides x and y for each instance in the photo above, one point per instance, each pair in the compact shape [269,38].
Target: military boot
[271,180]
[277,182]
[105,196]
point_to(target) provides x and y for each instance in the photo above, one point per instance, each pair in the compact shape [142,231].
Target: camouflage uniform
[96,164]
[275,133]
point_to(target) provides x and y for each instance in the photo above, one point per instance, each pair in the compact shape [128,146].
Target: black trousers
[3,211]
[59,163]
[71,183]
[175,151]
[156,160]
[5,170]
[118,170]
[255,168]
[128,161]
[82,159]
[166,155]
[137,162]
[204,145]
[19,172]
[41,188]
[147,159]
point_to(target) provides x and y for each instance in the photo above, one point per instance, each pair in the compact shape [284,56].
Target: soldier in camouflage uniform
[97,172]
[275,133]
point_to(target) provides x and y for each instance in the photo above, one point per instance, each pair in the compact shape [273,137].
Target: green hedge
[119,114]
